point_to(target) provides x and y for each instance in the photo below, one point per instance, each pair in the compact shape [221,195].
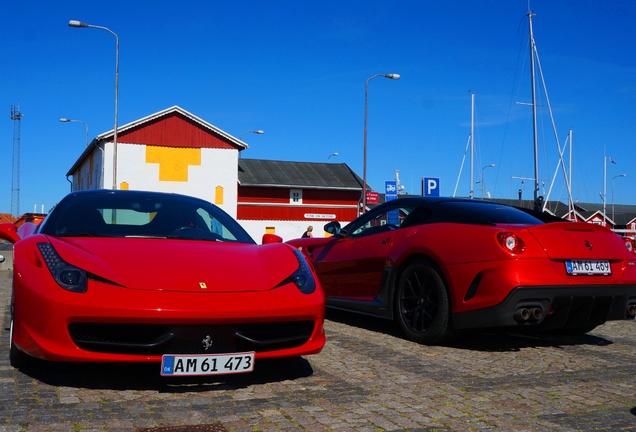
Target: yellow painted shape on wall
[173,161]
[218,195]
[124,186]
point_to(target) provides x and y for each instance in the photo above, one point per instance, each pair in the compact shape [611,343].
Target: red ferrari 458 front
[146,299]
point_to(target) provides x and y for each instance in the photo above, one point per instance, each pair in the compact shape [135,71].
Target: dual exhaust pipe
[534,314]
[529,315]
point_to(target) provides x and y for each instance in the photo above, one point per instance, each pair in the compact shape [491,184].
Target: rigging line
[478,155]
[554,129]
[477,141]
[514,94]
[462,165]
[556,172]
[583,178]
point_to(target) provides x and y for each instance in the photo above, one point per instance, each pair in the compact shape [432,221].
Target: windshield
[141,214]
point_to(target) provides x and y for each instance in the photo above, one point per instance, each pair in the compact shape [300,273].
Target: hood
[179,265]
[577,240]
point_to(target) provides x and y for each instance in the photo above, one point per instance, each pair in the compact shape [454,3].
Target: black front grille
[152,339]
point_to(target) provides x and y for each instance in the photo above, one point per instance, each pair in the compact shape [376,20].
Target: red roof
[5,217]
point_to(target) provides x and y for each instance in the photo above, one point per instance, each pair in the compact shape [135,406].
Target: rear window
[471,212]
[485,213]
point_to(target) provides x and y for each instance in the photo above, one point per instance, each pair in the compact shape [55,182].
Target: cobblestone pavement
[366,379]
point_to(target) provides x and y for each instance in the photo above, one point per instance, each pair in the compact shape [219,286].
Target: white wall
[218,168]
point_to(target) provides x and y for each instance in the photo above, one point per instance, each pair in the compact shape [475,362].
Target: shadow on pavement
[502,341]
[491,340]
[146,376]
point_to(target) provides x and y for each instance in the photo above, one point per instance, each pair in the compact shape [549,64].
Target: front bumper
[115,324]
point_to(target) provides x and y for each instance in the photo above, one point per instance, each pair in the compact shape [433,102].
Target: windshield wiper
[80,234]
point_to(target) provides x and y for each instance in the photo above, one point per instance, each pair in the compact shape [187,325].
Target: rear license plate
[588,267]
[211,364]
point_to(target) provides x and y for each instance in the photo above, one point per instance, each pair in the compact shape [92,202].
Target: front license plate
[212,364]
[588,267]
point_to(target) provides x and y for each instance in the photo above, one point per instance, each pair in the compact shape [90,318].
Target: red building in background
[285,197]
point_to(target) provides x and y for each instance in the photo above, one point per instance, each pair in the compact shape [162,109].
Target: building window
[295,196]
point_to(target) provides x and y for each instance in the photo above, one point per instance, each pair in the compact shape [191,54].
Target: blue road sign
[431,186]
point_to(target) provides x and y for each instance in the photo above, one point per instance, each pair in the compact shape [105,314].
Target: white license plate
[588,267]
[207,364]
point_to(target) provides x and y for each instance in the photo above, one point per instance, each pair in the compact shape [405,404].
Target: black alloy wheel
[422,305]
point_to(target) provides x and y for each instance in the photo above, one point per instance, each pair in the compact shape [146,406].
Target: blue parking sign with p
[431,186]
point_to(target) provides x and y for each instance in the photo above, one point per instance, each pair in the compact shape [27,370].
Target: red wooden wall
[174,131]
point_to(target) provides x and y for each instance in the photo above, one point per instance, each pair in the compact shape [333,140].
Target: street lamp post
[620,175]
[66,120]
[256,131]
[482,178]
[366,112]
[332,154]
[80,24]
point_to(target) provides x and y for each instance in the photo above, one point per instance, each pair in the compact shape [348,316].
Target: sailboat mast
[570,200]
[472,145]
[534,110]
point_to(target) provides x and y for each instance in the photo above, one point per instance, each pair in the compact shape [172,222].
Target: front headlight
[66,275]
[303,278]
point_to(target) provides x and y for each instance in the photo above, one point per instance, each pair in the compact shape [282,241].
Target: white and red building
[176,151]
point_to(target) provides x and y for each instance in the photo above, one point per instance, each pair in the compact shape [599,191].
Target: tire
[422,307]
[17,358]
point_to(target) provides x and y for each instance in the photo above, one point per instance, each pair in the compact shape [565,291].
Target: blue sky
[297,70]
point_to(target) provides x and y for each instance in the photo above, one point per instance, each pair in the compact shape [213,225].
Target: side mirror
[333,228]
[9,232]
[271,238]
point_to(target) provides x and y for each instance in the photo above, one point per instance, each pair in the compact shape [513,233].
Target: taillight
[511,242]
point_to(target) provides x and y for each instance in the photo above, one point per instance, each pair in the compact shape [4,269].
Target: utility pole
[15,167]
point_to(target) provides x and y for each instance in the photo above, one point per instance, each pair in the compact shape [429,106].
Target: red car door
[352,267]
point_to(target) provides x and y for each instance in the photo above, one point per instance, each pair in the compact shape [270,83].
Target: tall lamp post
[620,175]
[255,131]
[392,76]
[482,178]
[80,24]
[66,120]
